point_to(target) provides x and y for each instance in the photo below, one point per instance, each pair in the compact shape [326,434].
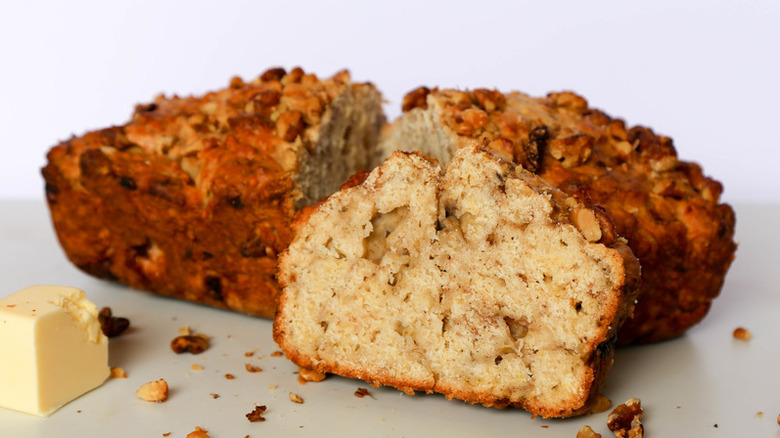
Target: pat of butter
[52,348]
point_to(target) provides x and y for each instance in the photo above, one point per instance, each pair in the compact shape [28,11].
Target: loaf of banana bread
[193,197]
[666,208]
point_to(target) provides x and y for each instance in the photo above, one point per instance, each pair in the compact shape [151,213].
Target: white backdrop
[706,73]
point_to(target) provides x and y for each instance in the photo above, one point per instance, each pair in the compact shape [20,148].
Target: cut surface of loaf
[194,196]
[666,208]
[482,283]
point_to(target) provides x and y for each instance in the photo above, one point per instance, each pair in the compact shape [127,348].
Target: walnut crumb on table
[252,369]
[296,398]
[156,391]
[199,433]
[587,432]
[257,414]
[742,334]
[195,344]
[362,392]
[213,395]
[277,353]
[625,421]
[229,376]
[112,326]
[117,372]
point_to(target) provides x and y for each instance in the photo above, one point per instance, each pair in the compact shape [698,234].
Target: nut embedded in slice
[156,391]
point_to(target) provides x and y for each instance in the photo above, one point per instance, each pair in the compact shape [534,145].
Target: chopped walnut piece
[588,224]
[587,432]
[197,367]
[362,392]
[252,369]
[256,414]
[310,375]
[167,434]
[742,334]
[199,433]
[229,376]
[625,421]
[112,326]
[601,404]
[117,372]
[250,353]
[277,353]
[156,391]
[195,344]
[214,396]
[296,398]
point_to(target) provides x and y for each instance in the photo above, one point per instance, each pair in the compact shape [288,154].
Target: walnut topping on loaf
[666,208]
[478,283]
[194,196]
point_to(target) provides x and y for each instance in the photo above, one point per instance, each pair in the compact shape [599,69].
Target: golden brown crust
[193,197]
[667,209]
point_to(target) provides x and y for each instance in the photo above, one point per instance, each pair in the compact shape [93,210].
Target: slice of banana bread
[666,208]
[482,283]
[193,197]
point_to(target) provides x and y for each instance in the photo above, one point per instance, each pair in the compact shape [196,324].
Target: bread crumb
[625,421]
[276,353]
[213,395]
[156,391]
[185,331]
[117,372]
[197,367]
[257,414]
[759,414]
[199,433]
[587,432]
[167,434]
[272,386]
[252,369]
[296,398]
[250,353]
[742,334]
[229,376]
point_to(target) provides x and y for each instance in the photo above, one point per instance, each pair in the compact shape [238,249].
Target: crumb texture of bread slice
[478,283]
[667,209]
[193,197]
